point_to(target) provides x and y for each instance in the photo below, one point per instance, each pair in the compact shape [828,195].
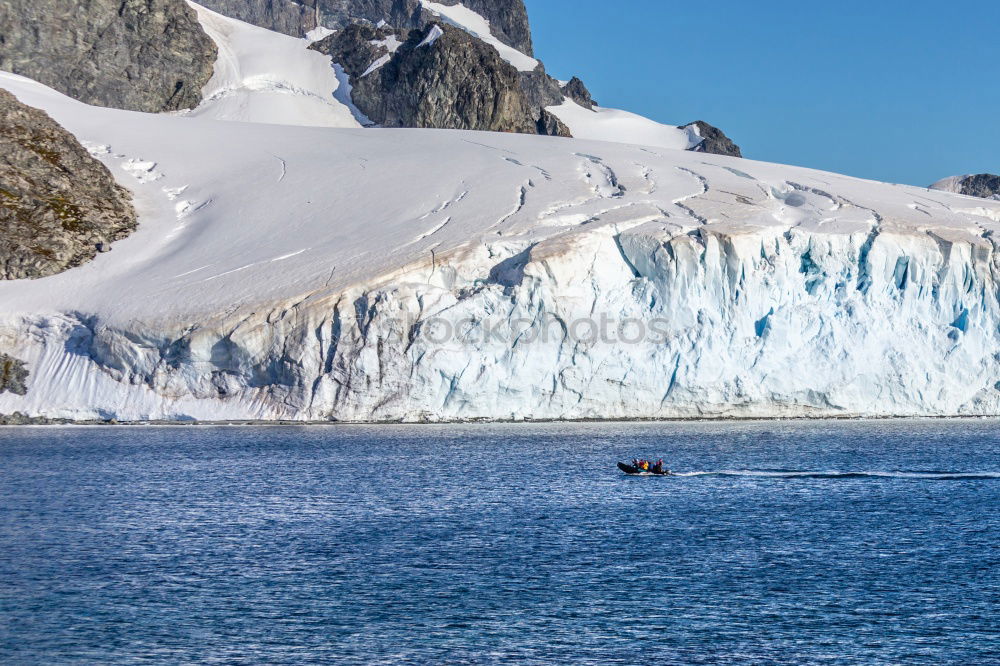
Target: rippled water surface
[782,543]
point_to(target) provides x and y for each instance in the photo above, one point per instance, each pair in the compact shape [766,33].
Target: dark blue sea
[783,543]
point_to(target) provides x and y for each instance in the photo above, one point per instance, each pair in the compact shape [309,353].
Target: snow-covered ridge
[266,77]
[287,272]
[950,184]
[622,127]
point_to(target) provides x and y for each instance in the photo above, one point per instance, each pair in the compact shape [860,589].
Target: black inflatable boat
[632,470]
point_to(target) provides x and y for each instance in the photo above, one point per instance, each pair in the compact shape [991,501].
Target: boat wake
[925,475]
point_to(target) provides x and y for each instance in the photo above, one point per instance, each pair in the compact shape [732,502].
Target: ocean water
[782,543]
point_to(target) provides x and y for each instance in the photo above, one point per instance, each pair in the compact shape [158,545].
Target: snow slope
[950,184]
[622,127]
[266,77]
[290,272]
[461,16]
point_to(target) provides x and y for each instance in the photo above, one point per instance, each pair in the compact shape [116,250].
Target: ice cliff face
[647,322]
[300,273]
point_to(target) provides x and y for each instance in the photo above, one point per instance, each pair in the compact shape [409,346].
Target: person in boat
[645,465]
[658,467]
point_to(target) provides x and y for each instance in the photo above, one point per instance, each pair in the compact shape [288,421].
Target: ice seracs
[432,275]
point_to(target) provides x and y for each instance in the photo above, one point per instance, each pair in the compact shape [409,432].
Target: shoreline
[21,421]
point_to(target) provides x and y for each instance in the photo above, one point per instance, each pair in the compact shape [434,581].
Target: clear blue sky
[905,91]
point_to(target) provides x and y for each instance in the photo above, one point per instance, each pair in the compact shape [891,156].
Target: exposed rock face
[540,90]
[358,46]
[142,55]
[441,77]
[58,205]
[714,140]
[577,91]
[13,375]
[984,185]
[286,16]
[549,125]
[19,419]
[508,18]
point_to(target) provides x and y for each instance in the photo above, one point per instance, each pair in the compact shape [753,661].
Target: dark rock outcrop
[19,419]
[508,18]
[577,91]
[983,185]
[713,140]
[355,47]
[291,17]
[57,203]
[13,376]
[142,55]
[549,125]
[540,90]
[453,81]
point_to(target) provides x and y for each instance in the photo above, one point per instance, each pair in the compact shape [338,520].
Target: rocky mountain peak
[508,18]
[396,85]
[577,91]
[714,140]
[440,77]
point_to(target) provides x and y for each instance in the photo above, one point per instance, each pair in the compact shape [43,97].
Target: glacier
[295,272]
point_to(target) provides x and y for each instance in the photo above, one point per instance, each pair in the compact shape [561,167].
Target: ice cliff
[307,273]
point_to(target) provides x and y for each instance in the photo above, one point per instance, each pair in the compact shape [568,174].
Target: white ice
[621,127]
[266,77]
